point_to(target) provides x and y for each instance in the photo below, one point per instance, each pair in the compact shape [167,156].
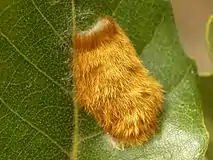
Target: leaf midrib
[74,152]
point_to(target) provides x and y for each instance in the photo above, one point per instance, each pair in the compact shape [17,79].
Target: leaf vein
[26,145]
[33,126]
[33,93]
[116,8]
[48,22]
[47,107]
[91,136]
[11,78]
[16,23]
[181,80]
[35,66]
[8,7]
[2,117]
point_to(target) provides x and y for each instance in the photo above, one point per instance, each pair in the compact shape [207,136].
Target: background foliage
[36,112]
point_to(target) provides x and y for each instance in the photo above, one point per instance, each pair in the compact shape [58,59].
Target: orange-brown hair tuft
[112,84]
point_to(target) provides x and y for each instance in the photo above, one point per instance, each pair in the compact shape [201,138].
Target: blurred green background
[206,88]
[191,17]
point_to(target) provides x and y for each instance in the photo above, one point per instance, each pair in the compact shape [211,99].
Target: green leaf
[209,36]
[206,89]
[37,119]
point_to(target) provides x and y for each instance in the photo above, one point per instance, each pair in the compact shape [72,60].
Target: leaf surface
[36,112]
